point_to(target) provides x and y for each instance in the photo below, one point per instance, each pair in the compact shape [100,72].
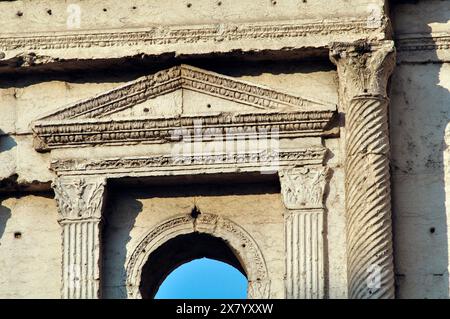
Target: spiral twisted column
[80,203]
[364,70]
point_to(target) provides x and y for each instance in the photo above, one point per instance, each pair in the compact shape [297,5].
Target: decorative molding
[184,77]
[367,179]
[422,42]
[363,67]
[309,156]
[189,34]
[159,130]
[419,48]
[83,123]
[79,198]
[303,188]
[242,243]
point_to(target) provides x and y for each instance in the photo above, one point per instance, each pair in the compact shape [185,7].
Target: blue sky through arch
[204,278]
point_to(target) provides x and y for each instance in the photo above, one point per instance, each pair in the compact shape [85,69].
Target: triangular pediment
[154,108]
[184,90]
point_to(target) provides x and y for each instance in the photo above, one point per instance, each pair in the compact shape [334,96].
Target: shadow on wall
[116,235]
[5,214]
[6,142]
[419,116]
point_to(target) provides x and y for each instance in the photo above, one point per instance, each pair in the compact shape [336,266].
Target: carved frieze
[159,130]
[193,34]
[303,188]
[309,156]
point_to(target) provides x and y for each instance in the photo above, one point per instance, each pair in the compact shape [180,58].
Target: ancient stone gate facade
[141,135]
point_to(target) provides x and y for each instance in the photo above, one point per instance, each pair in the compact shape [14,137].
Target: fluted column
[363,71]
[302,191]
[80,202]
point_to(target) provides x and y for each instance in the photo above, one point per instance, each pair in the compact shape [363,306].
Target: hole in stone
[219,3]
[17,235]
[134,8]
[104,10]
[146,110]
[432,230]
[243,246]
[49,11]
[195,212]
[274,2]
[189,5]
[19,13]
[208,106]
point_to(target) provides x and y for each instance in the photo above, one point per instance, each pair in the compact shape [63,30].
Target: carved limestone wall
[135,99]
[419,98]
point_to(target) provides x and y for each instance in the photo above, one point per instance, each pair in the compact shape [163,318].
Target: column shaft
[80,204]
[364,69]
[304,254]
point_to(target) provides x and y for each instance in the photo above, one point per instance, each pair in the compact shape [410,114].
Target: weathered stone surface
[115,121]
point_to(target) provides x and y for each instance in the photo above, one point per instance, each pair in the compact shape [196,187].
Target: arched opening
[181,250]
[204,279]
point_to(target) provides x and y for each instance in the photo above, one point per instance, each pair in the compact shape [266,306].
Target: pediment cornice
[184,77]
[98,120]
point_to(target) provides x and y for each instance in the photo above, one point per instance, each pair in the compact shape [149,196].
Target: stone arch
[239,241]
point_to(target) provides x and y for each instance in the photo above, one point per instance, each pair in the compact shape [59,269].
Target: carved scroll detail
[363,73]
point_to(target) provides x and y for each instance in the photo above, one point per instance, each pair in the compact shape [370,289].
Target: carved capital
[79,198]
[363,68]
[303,188]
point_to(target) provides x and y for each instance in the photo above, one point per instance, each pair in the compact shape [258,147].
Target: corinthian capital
[363,68]
[79,198]
[303,188]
